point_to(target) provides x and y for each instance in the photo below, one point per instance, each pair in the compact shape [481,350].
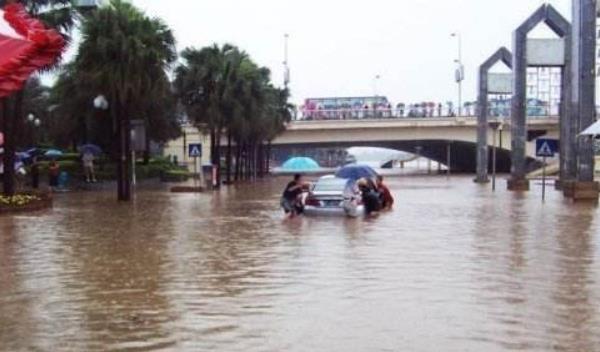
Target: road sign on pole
[195,150]
[545,148]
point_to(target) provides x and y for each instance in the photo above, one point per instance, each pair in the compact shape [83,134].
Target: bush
[176,175]
[70,157]
[107,170]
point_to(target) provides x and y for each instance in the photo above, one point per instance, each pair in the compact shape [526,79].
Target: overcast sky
[337,47]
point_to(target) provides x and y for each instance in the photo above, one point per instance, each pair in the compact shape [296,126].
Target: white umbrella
[593,130]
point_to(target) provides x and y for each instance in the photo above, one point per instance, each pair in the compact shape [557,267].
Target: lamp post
[123,128]
[286,67]
[375,85]
[459,74]
[34,123]
[376,94]
[495,126]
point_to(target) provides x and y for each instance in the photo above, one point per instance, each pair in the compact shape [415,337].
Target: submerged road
[453,268]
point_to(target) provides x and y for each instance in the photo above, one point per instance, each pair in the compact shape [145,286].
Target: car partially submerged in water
[334,196]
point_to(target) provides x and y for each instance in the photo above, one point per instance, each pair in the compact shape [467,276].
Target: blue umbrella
[23,156]
[300,164]
[35,151]
[355,172]
[53,153]
[90,148]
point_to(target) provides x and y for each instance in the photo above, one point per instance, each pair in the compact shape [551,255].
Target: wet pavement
[454,267]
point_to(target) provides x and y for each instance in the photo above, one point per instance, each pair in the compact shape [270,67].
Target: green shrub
[176,175]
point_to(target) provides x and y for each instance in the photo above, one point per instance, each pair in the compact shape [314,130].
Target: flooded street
[454,267]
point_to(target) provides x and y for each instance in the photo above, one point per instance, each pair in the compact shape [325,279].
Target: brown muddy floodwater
[453,268]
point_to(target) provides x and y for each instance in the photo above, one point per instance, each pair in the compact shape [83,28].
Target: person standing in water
[387,200]
[88,166]
[291,201]
[53,172]
[370,197]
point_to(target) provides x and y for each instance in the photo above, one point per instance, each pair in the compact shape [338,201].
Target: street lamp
[286,66]
[34,122]
[375,85]
[101,103]
[459,74]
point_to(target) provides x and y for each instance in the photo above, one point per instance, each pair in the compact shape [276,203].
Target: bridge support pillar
[583,99]
[482,111]
[518,185]
[482,129]
[521,60]
[518,181]
[581,191]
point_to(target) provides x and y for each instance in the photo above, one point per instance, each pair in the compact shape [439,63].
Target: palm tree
[124,55]
[206,84]
[226,93]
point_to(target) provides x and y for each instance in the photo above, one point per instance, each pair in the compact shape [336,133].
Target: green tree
[205,83]
[124,55]
[225,93]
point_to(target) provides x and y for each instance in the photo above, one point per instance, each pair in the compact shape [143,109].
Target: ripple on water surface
[454,265]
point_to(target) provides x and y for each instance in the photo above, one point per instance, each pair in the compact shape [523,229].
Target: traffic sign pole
[544,180]
[195,171]
[545,148]
[494,160]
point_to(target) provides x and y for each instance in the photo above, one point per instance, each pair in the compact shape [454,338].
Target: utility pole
[286,67]
[460,71]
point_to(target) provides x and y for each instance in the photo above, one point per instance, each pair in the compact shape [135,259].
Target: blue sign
[195,150]
[546,147]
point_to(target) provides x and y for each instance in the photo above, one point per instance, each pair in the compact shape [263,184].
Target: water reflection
[454,265]
[575,313]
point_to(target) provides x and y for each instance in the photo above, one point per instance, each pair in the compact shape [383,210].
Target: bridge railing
[380,114]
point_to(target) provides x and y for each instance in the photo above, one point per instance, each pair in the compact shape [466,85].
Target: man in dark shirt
[290,200]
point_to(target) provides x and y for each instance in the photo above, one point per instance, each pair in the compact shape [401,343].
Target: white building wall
[180,150]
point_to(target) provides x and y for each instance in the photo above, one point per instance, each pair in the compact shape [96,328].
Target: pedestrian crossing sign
[195,150]
[546,147]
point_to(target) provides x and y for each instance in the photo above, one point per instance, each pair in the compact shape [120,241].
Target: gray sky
[337,47]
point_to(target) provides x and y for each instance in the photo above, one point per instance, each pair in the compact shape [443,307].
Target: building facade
[178,149]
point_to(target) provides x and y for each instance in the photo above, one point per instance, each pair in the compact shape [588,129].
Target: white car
[334,196]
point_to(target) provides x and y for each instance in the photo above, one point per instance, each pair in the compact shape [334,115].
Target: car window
[330,186]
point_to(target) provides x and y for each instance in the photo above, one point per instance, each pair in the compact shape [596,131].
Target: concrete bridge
[447,140]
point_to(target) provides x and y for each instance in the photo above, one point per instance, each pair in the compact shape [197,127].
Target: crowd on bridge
[498,107]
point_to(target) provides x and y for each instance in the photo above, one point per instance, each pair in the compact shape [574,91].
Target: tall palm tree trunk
[218,135]
[147,151]
[124,158]
[260,160]
[246,157]
[263,159]
[269,157]
[10,129]
[255,162]
[238,161]
[229,157]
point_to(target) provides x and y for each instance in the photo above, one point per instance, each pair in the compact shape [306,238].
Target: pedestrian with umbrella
[88,156]
[88,167]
